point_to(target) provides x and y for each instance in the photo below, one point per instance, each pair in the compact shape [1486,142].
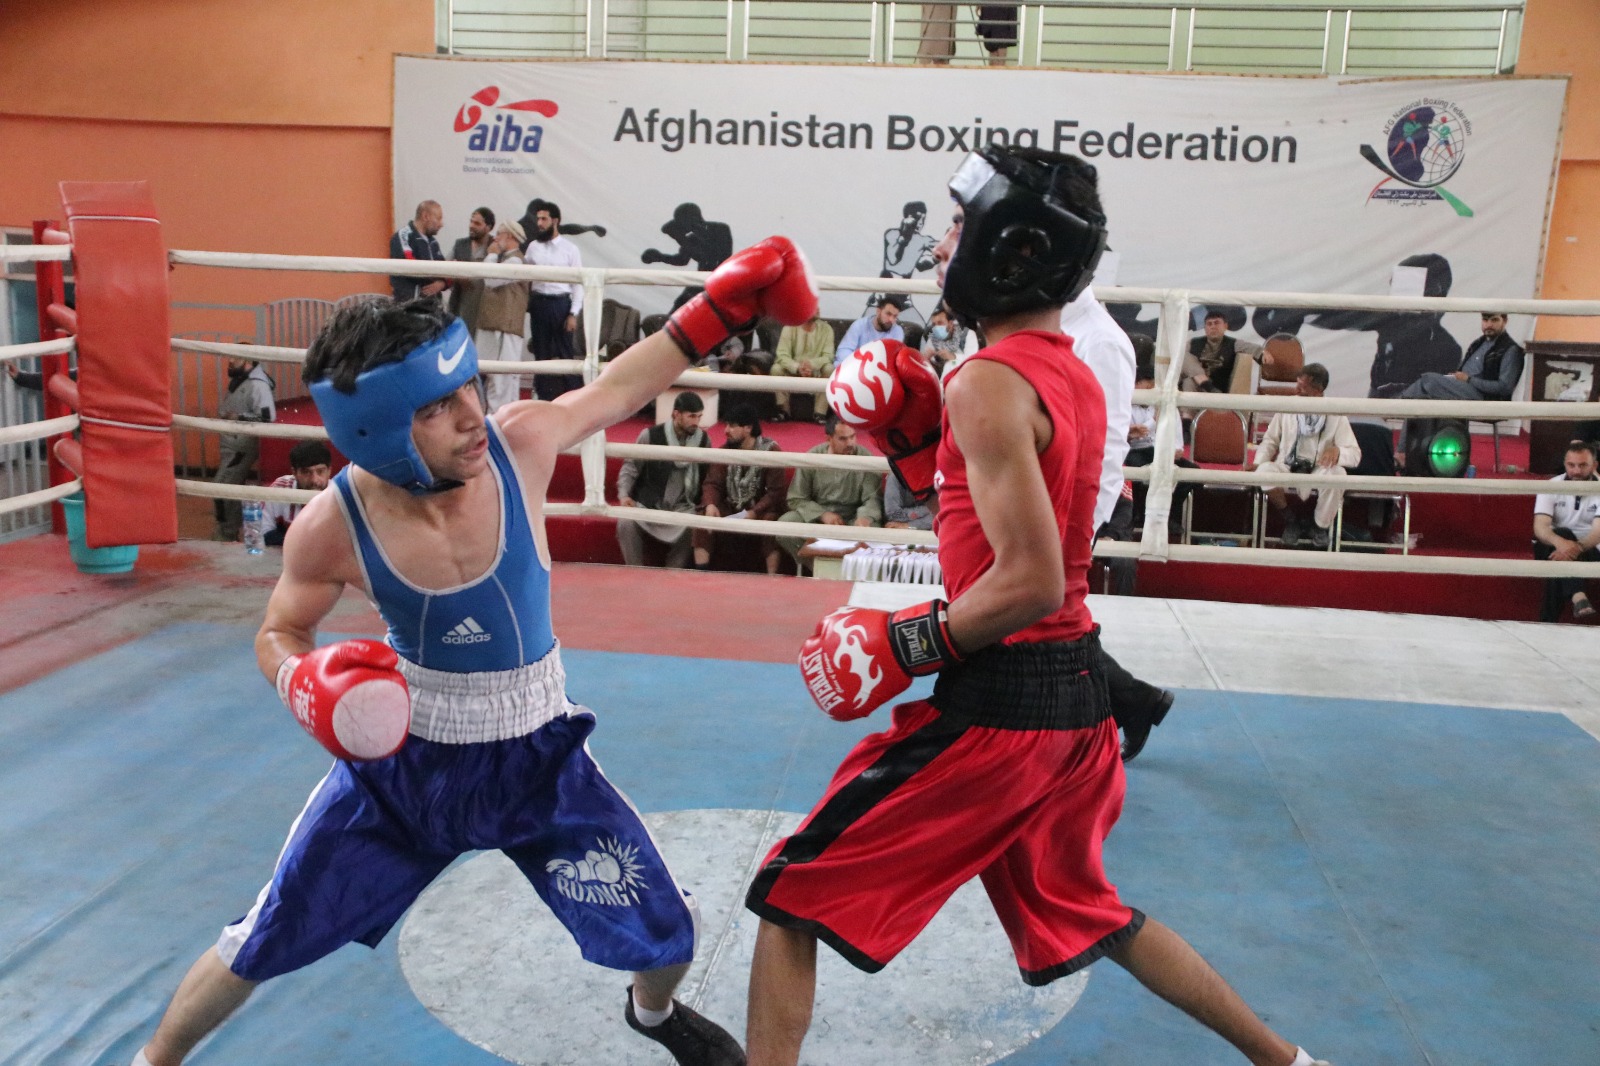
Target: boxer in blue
[455,734]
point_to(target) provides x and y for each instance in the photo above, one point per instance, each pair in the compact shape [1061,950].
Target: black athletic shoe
[1291,532]
[693,1039]
[1134,735]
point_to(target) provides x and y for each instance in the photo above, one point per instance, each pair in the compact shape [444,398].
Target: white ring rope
[36,499]
[35,253]
[1162,474]
[264,493]
[1112,294]
[49,427]
[282,430]
[64,346]
[871,464]
[1356,560]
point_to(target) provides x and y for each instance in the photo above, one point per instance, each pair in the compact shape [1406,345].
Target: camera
[1298,465]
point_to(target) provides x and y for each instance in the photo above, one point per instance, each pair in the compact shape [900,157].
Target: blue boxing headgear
[372,425]
[1023,247]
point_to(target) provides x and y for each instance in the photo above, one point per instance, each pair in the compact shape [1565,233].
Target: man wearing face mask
[553,306]
[945,340]
[249,399]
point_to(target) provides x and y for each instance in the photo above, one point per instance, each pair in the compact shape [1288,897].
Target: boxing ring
[1379,827]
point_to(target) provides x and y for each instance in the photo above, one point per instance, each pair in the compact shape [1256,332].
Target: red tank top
[1071,464]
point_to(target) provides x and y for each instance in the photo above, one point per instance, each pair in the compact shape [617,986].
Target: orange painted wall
[261,126]
[289,189]
[262,62]
[1559,37]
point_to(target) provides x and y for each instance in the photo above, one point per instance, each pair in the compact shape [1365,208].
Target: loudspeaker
[1437,447]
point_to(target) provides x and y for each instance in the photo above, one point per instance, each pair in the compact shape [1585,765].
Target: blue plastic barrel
[114,560]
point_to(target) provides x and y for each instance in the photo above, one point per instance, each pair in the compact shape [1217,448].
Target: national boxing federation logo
[609,874]
[468,632]
[1425,145]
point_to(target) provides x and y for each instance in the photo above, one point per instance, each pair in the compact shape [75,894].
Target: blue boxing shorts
[495,761]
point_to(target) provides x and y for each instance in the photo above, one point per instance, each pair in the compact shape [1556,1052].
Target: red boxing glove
[889,391]
[350,697]
[859,659]
[770,278]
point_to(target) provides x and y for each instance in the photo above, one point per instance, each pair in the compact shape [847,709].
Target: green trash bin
[114,560]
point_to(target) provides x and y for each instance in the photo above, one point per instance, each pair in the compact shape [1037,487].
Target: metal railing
[1357,38]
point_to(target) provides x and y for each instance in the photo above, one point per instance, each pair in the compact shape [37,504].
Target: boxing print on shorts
[609,874]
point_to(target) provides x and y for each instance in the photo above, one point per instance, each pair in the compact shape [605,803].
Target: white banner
[1276,184]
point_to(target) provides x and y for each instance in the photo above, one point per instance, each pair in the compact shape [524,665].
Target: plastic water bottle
[254,543]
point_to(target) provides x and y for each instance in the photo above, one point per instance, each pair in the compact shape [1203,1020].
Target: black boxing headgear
[1024,245]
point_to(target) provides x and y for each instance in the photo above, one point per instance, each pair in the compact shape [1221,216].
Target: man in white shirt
[1308,444]
[1138,706]
[1566,528]
[553,306]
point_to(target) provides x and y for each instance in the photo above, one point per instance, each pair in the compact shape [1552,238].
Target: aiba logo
[501,132]
[1425,145]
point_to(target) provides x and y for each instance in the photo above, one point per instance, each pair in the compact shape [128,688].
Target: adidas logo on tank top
[468,632]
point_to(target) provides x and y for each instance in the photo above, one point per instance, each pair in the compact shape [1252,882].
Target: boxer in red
[1011,771]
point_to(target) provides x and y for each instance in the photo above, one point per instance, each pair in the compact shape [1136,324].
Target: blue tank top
[498,621]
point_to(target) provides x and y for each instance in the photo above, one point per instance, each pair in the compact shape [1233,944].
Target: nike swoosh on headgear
[447,365]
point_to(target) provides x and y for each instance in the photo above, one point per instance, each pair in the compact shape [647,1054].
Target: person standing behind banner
[501,313]
[553,306]
[467,292]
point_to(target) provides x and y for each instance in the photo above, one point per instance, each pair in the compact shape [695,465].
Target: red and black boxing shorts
[1012,773]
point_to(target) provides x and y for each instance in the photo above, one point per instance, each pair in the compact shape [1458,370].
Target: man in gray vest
[1489,371]
[664,485]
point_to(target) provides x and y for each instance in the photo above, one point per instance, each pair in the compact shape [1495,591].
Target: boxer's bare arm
[318,561]
[628,382]
[1000,427]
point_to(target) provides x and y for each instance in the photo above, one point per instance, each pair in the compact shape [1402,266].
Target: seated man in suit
[1209,366]
[1308,444]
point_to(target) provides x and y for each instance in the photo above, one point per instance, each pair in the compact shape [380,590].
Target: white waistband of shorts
[472,708]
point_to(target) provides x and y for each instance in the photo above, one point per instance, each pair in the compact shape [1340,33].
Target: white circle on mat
[483,954]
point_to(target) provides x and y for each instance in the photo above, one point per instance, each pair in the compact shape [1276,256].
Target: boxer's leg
[208,993]
[783,989]
[1165,964]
